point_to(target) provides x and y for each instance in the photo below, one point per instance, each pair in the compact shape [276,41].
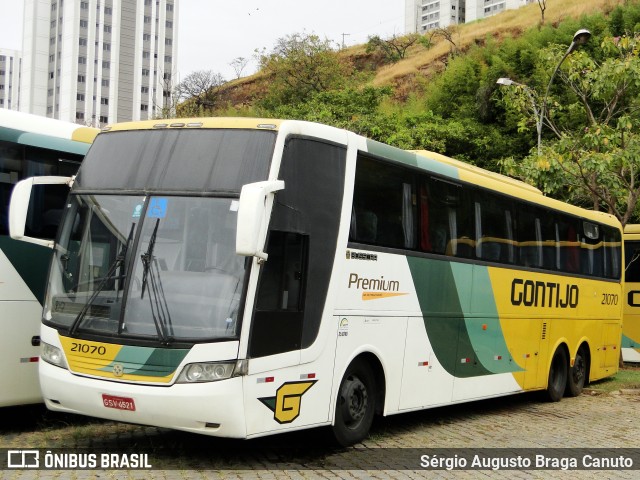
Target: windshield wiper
[157,299]
[147,257]
[120,258]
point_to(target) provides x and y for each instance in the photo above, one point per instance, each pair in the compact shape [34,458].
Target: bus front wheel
[577,374]
[557,376]
[355,404]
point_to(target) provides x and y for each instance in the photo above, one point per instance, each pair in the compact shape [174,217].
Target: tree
[543,6]
[448,34]
[200,92]
[167,107]
[597,161]
[239,64]
[393,48]
[301,65]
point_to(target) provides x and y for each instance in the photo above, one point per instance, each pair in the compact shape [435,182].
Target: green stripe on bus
[485,330]
[628,342]
[43,141]
[53,143]
[30,261]
[465,345]
[148,361]
[441,301]
[410,158]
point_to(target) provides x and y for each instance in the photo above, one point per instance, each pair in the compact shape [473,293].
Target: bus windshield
[171,260]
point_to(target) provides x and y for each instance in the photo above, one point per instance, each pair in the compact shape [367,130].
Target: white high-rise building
[9,79]
[98,61]
[424,15]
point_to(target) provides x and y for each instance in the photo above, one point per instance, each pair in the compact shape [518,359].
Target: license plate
[119,403]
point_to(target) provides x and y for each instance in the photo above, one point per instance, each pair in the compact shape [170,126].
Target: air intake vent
[544,331]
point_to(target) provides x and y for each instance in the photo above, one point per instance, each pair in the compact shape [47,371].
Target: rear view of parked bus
[242,277]
[30,146]
[631,321]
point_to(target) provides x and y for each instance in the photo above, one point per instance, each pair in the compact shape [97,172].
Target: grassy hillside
[422,63]
[510,23]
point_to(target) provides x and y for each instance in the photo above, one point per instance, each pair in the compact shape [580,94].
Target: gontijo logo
[375,288]
[286,404]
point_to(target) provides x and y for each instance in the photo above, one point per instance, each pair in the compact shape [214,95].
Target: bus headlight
[206,372]
[53,355]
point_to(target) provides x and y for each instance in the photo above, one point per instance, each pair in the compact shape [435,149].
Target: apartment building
[424,15]
[9,79]
[98,61]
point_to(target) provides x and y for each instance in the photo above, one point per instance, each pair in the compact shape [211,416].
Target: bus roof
[43,132]
[477,170]
[454,168]
[632,231]
[211,122]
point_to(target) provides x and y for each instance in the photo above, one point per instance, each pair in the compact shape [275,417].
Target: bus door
[292,292]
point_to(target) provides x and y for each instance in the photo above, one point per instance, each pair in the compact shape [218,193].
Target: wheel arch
[374,361]
[587,349]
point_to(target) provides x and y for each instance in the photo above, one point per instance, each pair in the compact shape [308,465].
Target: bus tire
[577,374]
[558,372]
[355,405]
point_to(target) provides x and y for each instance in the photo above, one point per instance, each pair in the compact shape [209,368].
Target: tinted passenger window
[384,206]
[494,228]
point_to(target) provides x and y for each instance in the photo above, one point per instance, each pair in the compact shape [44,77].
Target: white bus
[242,277]
[30,146]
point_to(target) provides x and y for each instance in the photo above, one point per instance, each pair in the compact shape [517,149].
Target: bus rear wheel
[557,376]
[577,374]
[355,405]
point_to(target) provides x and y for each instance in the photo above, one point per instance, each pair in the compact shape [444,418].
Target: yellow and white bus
[243,277]
[631,322]
[30,146]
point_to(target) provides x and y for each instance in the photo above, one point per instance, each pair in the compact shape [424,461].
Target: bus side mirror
[252,217]
[19,206]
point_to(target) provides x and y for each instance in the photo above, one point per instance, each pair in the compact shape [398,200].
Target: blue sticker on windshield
[157,208]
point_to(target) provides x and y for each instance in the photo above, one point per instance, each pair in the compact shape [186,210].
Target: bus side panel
[278,398]
[567,311]
[425,382]
[631,324]
[19,322]
[20,315]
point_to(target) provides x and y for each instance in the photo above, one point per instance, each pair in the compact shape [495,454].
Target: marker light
[53,355]
[206,372]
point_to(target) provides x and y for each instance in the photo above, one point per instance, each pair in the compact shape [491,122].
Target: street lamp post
[579,38]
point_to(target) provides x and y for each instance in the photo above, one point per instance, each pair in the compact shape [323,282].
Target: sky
[212,33]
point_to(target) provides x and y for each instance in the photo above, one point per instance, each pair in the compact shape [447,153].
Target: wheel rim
[354,402]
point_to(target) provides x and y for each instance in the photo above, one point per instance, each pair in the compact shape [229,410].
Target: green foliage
[393,48]
[596,162]
[625,20]
[300,66]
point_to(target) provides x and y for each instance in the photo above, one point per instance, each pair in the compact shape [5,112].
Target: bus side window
[568,245]
[632,261]
[529,237]
[494,229]
[384,205]
[447,217]
[591,250]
